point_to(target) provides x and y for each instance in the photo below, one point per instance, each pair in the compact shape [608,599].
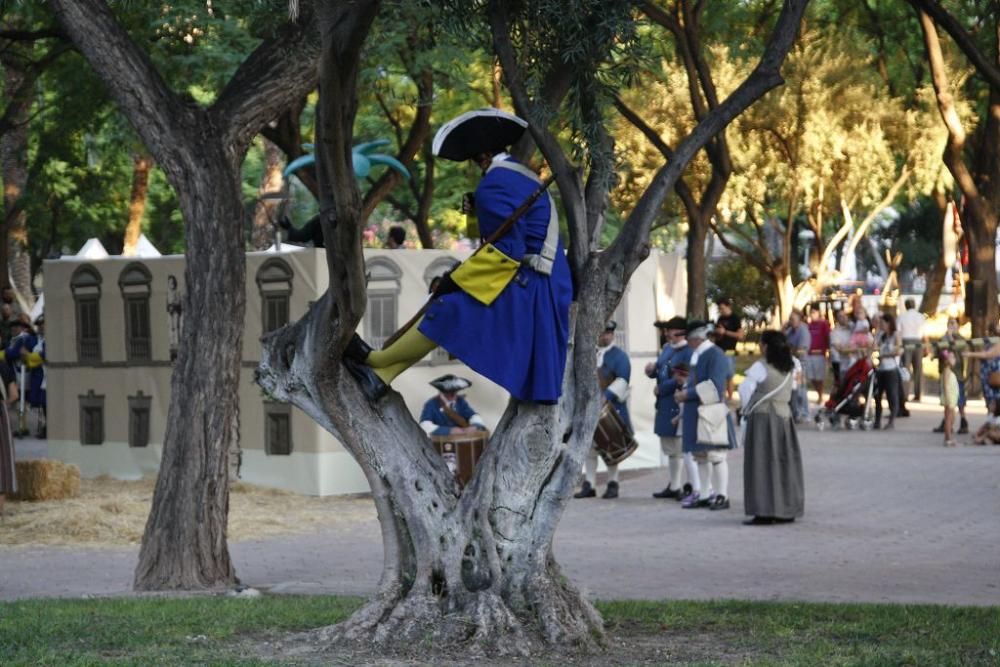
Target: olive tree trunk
[472,566]
[200,150]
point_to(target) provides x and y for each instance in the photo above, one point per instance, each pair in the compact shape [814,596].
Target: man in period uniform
[708,362]
[614,370]
[448,413]
[675,356]
[509,326]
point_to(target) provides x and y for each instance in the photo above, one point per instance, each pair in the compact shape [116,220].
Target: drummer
[448,413]
[613,371]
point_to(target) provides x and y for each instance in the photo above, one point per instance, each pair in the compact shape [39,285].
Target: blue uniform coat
[434,412]
[520,340]
[616,365]
[711,365]
[666,405]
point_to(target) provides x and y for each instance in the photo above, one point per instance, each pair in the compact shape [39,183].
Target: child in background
[949,394]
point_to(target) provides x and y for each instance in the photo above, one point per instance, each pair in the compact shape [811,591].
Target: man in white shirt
[911,324]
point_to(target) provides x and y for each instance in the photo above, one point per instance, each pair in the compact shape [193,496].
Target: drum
[612,439]
[461,452]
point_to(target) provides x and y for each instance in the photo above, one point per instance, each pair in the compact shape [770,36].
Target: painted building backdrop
[113,325]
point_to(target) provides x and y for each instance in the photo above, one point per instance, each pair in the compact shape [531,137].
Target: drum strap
[459,420]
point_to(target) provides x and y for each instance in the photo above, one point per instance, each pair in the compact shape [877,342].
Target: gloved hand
[446,285]
[284,222]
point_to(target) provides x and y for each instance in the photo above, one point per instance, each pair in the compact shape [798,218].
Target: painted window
[86,287]
[138,420]
[384,279]
[277,429]
[136,282]
[91,419]
[274,280]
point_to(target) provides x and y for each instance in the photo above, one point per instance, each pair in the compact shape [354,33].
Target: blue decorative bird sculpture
[362,157]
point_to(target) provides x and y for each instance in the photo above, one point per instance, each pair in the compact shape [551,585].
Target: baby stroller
[846,399]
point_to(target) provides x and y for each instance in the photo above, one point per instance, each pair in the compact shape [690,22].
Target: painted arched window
[438,268]
[86,287]
[384,279]
[136,283]
[274,280]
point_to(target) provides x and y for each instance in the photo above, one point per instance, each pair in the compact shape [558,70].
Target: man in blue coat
[670,373]
[708,362]
[614,370]
[518,336]
[448,413]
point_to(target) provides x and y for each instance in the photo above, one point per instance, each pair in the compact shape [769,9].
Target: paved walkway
[891,516]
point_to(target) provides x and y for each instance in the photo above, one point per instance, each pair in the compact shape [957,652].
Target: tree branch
[279,72]
[152,108]
[886,201]
[988,70]
[765,76]
[567,175]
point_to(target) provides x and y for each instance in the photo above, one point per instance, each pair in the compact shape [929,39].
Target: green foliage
[917,234]
[739,280]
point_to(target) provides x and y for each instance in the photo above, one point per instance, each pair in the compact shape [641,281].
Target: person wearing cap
[675,356]
[708,363]
[504,312]
[614,370]
[448,413]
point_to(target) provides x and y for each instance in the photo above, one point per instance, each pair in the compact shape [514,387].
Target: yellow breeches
[408,349]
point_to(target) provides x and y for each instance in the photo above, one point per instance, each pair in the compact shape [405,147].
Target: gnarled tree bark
[978,184]
[472,566]
[200,150]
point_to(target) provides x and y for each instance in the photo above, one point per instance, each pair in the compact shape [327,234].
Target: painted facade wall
[317,464]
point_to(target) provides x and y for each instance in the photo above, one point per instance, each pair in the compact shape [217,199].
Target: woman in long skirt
[773,490]
[8,478]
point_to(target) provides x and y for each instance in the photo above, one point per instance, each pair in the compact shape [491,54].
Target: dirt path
[890,517]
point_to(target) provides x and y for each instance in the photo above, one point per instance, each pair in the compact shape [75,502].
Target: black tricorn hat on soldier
[673,324]
[699,329]
[476,132]
[449,384]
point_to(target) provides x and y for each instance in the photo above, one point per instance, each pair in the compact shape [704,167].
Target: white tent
[145,248]
[93,249]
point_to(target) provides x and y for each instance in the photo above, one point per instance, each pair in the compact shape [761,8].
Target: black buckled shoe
[371,384]
[685,491]
[962,429]
[719,503]
[586,491]
[611,491]
[759,521]
[667,493]
[357,349]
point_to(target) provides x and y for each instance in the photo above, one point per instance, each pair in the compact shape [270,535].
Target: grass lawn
[218,630]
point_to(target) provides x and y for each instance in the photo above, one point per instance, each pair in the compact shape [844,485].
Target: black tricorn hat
[476,132]
[675,322]
[694,325]
[448,384]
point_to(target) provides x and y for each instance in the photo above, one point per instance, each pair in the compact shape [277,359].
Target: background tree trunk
[142,164]
[200,150]
[271,183]
[15,264]
[184,546]
[697,279]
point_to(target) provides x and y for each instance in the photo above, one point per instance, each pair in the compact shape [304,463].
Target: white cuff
[428,426]
[476,420]
[619,388]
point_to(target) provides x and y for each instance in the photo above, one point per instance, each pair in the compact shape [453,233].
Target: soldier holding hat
[670,373]
[448,413]
[614,371]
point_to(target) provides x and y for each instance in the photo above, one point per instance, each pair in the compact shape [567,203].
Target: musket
[500,231]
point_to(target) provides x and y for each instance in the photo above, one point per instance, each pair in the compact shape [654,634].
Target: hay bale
[47,479]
